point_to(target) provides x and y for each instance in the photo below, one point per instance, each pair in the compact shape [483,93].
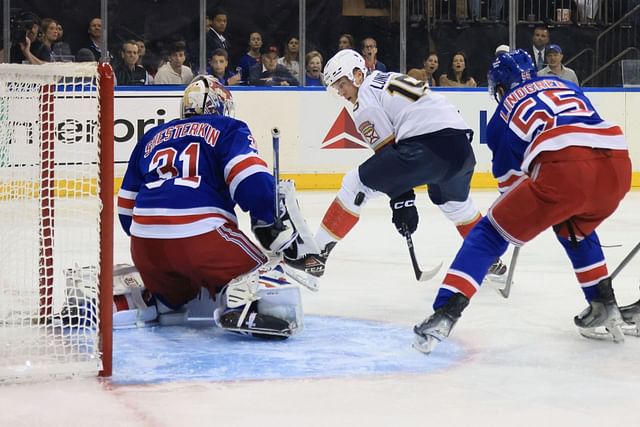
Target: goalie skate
[631,316]
[602,319]
[257,325]
[438,326]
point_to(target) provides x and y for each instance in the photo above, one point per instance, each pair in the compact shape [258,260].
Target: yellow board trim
[480,181]
[320,181]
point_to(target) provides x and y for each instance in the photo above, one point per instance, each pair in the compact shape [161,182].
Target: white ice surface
[525,364]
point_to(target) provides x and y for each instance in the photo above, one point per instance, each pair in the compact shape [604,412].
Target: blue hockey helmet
[206,95]
[510,70]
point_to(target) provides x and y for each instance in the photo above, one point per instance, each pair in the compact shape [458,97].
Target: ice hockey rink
[516,361]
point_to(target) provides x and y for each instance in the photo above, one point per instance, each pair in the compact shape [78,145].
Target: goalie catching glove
[285,235]
[405,214]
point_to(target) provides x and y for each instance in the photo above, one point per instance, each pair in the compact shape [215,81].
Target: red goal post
[56,220]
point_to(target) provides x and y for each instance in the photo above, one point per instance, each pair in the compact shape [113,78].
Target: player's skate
[313,264]
[631,316]
[255,324]
[438,326]
[498,268]
[602,319]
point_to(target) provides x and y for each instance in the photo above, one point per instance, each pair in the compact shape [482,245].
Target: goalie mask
[510,70]
[342,65]
[206,95]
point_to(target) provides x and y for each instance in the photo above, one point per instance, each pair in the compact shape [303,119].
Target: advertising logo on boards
[343,133]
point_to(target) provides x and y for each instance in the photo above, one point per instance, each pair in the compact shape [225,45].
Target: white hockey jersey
[394,106]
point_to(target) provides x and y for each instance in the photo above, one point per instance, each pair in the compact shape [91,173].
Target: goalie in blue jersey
[558,164]
[177,202]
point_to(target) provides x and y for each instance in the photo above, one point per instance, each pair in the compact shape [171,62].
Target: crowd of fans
[263,64]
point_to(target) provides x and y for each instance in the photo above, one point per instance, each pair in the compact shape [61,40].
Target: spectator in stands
[555,66]
[269,72]
[61,49]
[174,72]
[346,41]
[22,49]
[95,37]
[539,40]
[218,68]
[252,57]
[216,26]
[22,52]
[290,57]
[129,73]
[458,74]
[49,29]
[314,75]
[370,54]
[147,59]
[427,72]
[85,55]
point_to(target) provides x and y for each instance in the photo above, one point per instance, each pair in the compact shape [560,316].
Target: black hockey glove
[405,213]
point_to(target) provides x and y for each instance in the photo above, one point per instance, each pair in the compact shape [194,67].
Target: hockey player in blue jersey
[558,164]
[177,202]
[418,138]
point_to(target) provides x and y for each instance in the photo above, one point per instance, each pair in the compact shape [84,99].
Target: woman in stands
[290,57]
[252,57]
[458,74]
[427,72]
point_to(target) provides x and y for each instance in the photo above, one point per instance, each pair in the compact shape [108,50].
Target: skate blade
[612,333]
[425,344]
[632,328]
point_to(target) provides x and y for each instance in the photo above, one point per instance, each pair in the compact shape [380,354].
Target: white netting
[49,220]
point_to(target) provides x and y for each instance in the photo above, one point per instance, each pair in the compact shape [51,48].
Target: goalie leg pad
[261,304]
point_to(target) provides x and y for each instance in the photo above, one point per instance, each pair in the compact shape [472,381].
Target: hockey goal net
[56,220]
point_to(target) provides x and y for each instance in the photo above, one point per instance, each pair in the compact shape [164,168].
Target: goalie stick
[275,136]
[421,275]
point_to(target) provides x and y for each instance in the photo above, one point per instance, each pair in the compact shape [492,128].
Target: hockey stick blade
[421,276]
[512,267]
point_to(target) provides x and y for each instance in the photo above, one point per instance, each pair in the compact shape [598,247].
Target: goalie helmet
[206,95]
[342,65]
[510,70]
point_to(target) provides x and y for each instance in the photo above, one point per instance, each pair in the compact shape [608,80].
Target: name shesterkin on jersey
[203,130]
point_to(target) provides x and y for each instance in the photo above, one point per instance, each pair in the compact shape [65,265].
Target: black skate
[438,326]
[602,319]
[256,325]
[313,264]
[498,268]
[631,316]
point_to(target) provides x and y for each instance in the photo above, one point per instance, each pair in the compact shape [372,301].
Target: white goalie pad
[130,308]
[272,292]
[287,190]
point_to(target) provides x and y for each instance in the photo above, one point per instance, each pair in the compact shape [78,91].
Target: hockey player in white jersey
[418,138]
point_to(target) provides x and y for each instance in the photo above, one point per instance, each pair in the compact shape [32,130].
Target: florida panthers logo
[368,131]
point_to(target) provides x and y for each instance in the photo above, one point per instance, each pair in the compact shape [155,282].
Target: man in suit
[216,26]
[540,41]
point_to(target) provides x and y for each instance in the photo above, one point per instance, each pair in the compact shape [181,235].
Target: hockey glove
[405,213]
